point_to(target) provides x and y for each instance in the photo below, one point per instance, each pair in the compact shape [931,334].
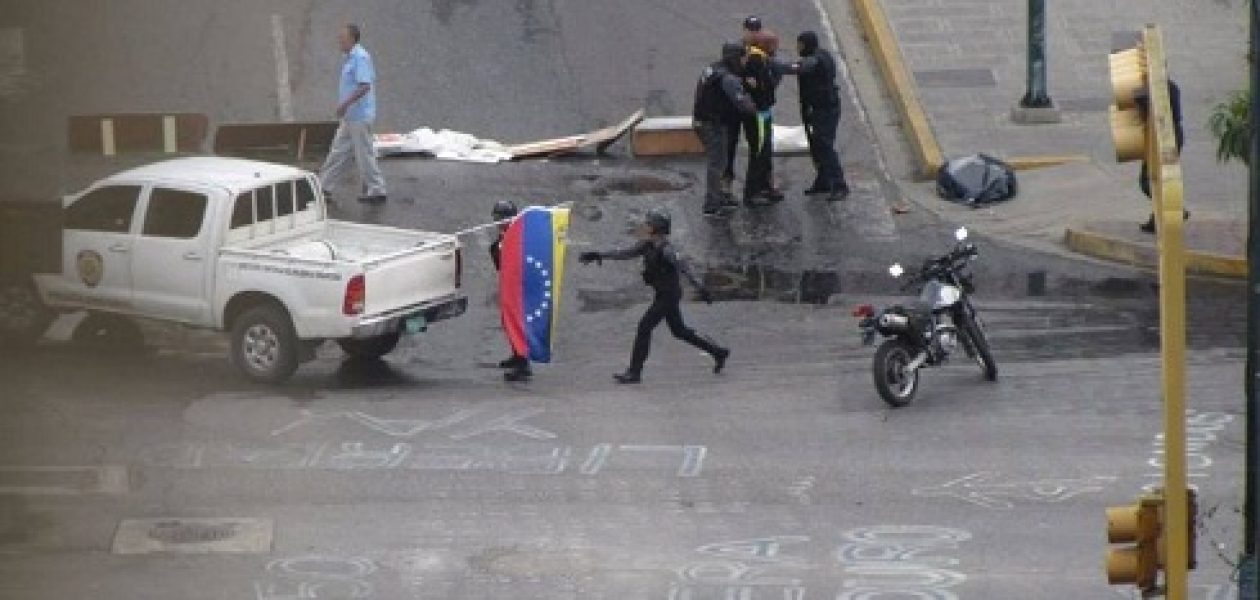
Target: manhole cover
[179,532]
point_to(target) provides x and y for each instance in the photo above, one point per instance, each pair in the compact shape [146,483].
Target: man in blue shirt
[356,107]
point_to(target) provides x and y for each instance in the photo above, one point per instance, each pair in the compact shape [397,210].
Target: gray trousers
[353,144]
[716,139]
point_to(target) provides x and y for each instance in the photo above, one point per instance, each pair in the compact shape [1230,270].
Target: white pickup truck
[244,247]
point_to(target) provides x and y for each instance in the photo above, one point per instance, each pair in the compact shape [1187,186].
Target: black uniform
[720,103]
[661,270]
[820,112]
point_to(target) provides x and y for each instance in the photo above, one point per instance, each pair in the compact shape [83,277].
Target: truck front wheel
[23,316]
[373,347]
[264,345]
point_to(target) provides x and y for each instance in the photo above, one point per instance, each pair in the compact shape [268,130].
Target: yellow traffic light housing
[1129,79]
[1140,524]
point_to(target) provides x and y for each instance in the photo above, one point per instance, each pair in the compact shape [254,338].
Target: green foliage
[1231,124]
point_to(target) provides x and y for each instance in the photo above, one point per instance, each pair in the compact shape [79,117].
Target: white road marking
[63,480]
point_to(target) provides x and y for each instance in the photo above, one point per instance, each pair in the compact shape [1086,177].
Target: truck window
[284,198]
[243,211]
[107,209]
[266,204]
[174,213]
[305,194]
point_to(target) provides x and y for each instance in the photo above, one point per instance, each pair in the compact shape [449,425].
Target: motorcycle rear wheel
[896,386]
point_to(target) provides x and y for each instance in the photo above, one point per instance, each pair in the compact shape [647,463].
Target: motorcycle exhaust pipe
[893,321]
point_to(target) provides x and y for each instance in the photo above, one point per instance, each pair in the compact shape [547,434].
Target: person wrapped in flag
[661,270]
[531,269]
[517,365]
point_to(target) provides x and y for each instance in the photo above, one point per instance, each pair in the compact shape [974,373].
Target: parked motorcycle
[926,333]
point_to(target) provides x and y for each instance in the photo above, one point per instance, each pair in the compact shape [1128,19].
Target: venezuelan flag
[530,275]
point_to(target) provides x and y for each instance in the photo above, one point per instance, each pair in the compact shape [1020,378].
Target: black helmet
[503,209]
[752,23]
[658,220]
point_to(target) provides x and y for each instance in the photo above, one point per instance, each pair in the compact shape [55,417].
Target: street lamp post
[1036,105]
[1248,580]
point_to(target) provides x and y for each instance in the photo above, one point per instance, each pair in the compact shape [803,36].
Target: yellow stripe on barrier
[108,148]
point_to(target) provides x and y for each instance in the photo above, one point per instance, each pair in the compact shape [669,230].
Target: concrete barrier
[111,134]
[288,140]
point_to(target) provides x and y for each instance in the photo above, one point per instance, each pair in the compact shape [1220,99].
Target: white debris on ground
[442,145]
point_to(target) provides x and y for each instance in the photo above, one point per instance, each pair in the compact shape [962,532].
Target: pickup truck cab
[244,247]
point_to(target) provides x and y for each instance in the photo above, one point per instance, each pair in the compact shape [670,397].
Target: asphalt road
[425,476]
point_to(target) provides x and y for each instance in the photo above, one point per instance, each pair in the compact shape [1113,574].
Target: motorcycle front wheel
[980,345]
[894,383]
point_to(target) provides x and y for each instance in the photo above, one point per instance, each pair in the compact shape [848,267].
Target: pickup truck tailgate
[412,277]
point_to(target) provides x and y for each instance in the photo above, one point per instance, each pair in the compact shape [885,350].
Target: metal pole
[1036,96]
[1248,586]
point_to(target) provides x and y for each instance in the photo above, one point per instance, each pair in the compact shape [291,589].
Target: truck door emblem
[91,267]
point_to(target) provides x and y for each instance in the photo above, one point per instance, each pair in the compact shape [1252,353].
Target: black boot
[520,373]
[628,377]
[719,359]
[511,362]
[1149,225]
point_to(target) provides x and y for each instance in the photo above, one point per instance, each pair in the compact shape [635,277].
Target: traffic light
[1129,79]
[1139,524]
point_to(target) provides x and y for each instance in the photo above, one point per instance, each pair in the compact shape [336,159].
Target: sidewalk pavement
[962,70]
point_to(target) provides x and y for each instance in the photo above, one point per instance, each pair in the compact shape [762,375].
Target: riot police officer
[661,270]
[517,366]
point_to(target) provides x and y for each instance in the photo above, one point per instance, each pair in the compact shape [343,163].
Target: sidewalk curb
[900,85]
[1139,255]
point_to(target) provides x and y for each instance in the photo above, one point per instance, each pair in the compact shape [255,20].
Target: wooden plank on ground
[603,138]
[552,147]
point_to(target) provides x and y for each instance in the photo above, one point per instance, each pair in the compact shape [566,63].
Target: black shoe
[627,377]
[814,190]
[774,196]
[719,359]
[838,195]
[511,362]
[1149,225]
[372,199]
[518,374]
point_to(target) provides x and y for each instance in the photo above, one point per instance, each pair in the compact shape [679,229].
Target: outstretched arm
[620,254]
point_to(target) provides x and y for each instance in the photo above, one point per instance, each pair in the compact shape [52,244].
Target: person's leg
[365,158]
[831,173]
[732,148]
[714,138]
[673,318]
[643,340]
[815,155]
[755,178]
[340,153]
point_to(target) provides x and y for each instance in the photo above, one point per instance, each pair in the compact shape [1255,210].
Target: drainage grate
[179,532]
[192,536]
[955,78]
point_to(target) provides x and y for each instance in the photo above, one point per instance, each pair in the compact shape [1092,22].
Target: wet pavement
[158,472]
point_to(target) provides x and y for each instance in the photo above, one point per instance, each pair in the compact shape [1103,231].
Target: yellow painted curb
[1025,163]
[1129,253]
[897,77]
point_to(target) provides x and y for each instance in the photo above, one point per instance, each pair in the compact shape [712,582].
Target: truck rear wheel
[264,345]
[104,331]
[373,347]
[23,316]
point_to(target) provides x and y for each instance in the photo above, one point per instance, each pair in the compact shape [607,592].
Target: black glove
[589,257]
[706,296]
